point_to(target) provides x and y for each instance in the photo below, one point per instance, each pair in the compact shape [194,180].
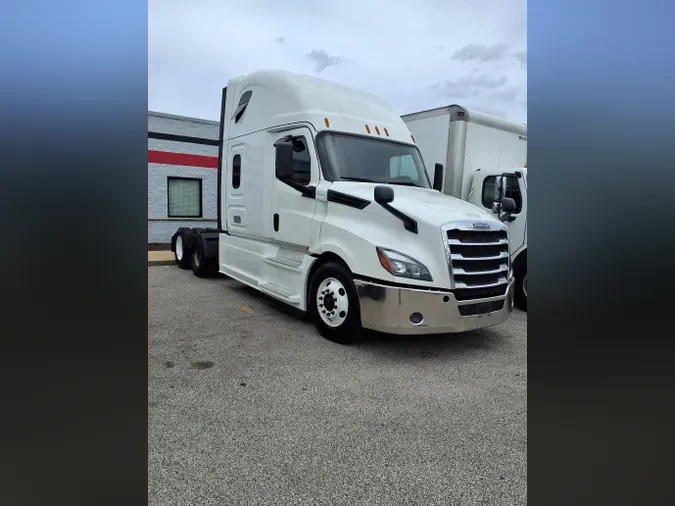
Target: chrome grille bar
[455,242]
[478,258]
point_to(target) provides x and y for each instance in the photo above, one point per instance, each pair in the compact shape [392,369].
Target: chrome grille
[479,261]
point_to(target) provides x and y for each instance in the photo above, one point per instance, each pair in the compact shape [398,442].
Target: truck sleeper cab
[325,205]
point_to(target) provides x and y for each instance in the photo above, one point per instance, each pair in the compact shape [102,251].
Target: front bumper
[389,309]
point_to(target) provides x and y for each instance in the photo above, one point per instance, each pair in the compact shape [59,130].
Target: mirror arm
[408,223]
[288,138]
[306,191]
[497,209]
[505,217]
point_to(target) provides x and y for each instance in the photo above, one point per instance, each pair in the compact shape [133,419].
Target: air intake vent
[481,308]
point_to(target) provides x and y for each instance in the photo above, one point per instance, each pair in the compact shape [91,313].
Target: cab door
[293,203]
[482,195]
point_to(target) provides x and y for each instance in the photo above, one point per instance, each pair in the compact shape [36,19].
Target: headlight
[398,264]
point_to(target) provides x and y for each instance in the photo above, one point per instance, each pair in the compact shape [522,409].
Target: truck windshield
[347,157]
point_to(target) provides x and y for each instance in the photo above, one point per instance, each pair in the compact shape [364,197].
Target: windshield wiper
[359,179]
[366,180]
[406,183]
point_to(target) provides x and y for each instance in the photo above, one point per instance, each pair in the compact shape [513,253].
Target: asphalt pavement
[249,405]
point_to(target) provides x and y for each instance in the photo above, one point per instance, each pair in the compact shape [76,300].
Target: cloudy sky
[416,55]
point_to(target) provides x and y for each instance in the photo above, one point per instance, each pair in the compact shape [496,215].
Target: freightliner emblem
[480,225]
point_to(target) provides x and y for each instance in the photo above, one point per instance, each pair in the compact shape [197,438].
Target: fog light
[416,318]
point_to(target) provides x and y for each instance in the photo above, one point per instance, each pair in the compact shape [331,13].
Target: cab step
[281,292]
[282,262]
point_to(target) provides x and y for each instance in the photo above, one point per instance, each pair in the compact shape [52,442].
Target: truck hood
[422,204]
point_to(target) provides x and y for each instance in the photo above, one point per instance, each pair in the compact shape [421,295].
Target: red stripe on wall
[165,158]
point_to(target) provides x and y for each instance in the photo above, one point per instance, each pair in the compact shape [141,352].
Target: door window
[512,192]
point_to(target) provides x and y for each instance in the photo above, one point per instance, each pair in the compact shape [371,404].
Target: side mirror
[508,205]
[283,166]
[438,177]
[384,194]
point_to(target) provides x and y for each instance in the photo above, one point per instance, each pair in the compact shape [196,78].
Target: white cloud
[322,59]
[521,56]
[480,52]
[400,51]
[471,85]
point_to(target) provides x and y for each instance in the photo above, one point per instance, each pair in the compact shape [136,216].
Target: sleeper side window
[512,192]
[236,171]
[243,103]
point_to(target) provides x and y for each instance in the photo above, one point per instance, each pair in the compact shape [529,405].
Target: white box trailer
[476,149]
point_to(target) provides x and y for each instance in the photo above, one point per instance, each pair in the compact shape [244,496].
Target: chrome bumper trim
[388,308]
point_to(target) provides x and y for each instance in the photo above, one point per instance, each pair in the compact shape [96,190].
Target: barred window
[185,197]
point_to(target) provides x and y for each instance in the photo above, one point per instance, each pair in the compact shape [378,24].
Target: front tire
[521,289]
[334,304]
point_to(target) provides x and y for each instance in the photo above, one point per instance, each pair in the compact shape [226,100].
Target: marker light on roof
[460,113]
[325,120]
[367,129]
[386,132]
[377,130]
[412,137]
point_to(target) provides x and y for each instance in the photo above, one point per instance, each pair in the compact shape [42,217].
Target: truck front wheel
[521,288]
[334,304]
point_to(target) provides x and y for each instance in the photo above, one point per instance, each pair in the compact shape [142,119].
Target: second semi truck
[477,150]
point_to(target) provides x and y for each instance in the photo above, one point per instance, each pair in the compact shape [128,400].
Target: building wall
[160,226]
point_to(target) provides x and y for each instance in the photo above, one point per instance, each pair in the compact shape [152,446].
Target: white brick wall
[180,125]
[160,226]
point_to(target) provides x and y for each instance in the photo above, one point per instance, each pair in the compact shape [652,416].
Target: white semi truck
[325,205]
[477,150]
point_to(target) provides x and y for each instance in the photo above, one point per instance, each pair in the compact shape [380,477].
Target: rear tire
[521,288]
[202,267]
[334,304]
[181,253]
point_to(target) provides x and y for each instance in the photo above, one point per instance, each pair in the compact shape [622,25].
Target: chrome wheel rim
[179,248]
[332,302]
